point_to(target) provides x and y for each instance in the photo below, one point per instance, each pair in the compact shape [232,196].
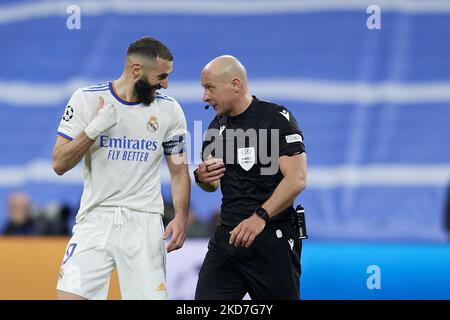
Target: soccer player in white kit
[122,129]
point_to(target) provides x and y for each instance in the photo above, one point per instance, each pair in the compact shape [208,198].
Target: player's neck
[124,89]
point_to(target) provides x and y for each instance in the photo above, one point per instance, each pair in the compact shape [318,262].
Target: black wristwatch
[262,213]
[196,176]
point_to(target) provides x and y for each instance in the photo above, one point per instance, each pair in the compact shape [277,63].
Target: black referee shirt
[244,187]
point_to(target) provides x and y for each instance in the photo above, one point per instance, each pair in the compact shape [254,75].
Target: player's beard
[145,91]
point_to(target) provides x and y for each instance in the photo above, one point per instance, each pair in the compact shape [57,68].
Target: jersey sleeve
[290,135]
[73,121]
[212,133]
[175,139]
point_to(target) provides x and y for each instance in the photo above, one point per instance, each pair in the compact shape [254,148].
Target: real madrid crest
[152,124]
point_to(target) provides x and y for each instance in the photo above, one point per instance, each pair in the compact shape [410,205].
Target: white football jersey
[122,168]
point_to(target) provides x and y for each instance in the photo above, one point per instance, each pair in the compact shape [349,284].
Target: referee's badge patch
[294,138]
[246,157]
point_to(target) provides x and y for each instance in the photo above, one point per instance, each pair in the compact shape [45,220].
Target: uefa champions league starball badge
[68,114]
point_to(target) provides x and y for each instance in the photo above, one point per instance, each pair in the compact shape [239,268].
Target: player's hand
[105,119]
[211,170]
[176,228]
[245,232]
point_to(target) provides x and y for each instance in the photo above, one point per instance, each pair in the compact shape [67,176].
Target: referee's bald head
[227,68]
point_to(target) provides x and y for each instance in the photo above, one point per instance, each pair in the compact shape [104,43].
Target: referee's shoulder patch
[294,138]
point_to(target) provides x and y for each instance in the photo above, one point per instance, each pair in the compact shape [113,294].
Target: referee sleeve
[291,138]
[210,139]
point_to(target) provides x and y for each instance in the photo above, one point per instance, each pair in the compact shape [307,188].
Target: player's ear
[136,70]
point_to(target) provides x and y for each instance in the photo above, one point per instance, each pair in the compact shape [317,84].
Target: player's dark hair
[151,48]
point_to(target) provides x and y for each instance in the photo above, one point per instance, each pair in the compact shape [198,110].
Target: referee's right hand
[211,170]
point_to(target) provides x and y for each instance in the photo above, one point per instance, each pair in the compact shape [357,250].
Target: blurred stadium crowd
[57,219]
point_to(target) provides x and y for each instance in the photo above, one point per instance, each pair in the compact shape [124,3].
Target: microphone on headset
[206,107]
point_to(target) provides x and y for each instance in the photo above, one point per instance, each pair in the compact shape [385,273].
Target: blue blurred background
[374,107]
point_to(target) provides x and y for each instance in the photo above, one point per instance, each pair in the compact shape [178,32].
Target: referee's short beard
[145,92]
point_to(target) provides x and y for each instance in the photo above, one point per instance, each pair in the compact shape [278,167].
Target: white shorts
[128,240]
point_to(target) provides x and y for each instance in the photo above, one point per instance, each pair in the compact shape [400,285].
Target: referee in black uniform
[254,249]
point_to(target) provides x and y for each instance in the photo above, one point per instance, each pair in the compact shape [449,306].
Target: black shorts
[269,269]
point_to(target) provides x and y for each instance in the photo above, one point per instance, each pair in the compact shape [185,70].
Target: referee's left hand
[176,228]
[245,232]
